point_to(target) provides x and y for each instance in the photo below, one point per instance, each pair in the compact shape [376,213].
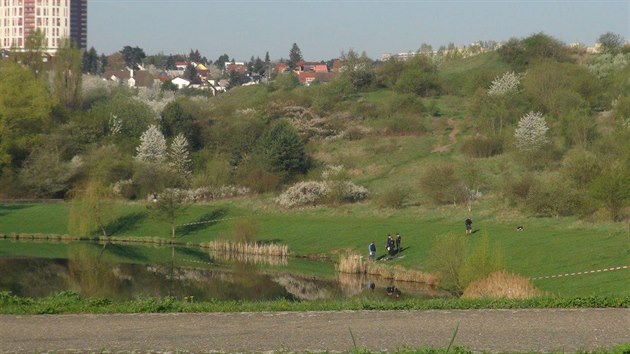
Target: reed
[252,248]
[353,263]
[501,284]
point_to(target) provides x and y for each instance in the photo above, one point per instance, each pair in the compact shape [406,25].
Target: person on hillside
[390,245]
[398,239]
[372,249]
[468,223]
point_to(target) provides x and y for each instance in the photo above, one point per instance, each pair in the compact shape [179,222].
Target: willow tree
[91,209]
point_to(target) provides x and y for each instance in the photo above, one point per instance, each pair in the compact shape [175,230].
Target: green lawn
[546,247]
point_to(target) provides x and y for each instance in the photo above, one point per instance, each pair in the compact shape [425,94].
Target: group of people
[392,246]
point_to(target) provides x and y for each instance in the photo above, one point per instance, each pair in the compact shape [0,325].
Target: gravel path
[564,330]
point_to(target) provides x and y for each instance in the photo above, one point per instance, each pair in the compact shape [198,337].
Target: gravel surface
[545,330]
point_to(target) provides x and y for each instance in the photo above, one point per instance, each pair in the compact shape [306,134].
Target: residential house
[180,83]
[238,67]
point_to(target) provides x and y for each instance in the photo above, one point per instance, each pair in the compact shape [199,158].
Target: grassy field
[546,247]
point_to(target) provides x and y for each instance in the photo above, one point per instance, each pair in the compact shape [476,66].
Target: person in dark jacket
[372,249]
[468,223]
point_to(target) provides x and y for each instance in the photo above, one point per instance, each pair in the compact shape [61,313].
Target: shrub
[501,284]
[405,124]
[446,258]
[581,167]
[480,262]
[245,231]
[482,146]
[518,190]
[314,192]
[553,196]
[261,181]
[441,185]
[394,197]
[303,193]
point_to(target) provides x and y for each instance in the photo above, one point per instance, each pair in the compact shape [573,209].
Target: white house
[180,83]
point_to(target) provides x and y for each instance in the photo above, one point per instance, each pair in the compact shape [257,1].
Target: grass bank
[69,302]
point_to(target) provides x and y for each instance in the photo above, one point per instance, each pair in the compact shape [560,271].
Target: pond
[126,271]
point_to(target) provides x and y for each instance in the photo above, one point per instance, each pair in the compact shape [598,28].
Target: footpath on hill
[538,330]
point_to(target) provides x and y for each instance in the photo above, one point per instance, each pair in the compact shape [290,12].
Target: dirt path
[484,330]
[452,137]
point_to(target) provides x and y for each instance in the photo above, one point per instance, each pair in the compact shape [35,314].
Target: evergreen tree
[152,146]
[283,150]
[295,55]
[91,62]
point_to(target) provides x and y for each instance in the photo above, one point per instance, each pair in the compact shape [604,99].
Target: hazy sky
[323,28]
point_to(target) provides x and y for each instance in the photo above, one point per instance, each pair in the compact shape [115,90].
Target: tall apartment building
[57,19]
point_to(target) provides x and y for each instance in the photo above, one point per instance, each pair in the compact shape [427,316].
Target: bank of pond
[123,272]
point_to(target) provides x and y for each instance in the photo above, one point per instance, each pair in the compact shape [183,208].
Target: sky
[324,28]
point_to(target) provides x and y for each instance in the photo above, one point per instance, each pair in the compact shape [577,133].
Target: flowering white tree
[152,146]
[531,132]
[179,156]
[502,85]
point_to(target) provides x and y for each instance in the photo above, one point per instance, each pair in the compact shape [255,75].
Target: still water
[122,272]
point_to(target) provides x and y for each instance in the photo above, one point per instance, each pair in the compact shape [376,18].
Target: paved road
[487,330]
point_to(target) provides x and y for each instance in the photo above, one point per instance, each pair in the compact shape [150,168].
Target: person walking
[398,239]
[372,249]
[468,223]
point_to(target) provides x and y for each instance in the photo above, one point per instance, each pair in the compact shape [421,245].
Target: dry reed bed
[250,258]
[253,248]
[353,263]
[501,284]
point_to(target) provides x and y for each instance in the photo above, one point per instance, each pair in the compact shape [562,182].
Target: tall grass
[353,263]
[252,248]
[501,284]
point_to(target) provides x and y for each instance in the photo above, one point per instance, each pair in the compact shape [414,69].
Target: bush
[441,185]
[553,196]
[480,262]
[303,193]
[581,167]
[245,231]
[394,197]
[447,256]
[261,181]
[518,190]
[481,146]
[315,192]
[405,124]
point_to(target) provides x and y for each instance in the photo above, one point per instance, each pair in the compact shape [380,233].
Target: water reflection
[122,272]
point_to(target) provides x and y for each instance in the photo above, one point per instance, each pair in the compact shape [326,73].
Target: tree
[295,55]
[190,73]
[195,56]
[221,60]
[91,209]
[91,63]
[357,69]
[612,188]
[283,150]
[168,206]
[152,146]
[505,84]
[67,78]
[176,119]
[531,132]
[132,56]
[25,113]
[44,173]
[611,42]
[34,47]
[179,158]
